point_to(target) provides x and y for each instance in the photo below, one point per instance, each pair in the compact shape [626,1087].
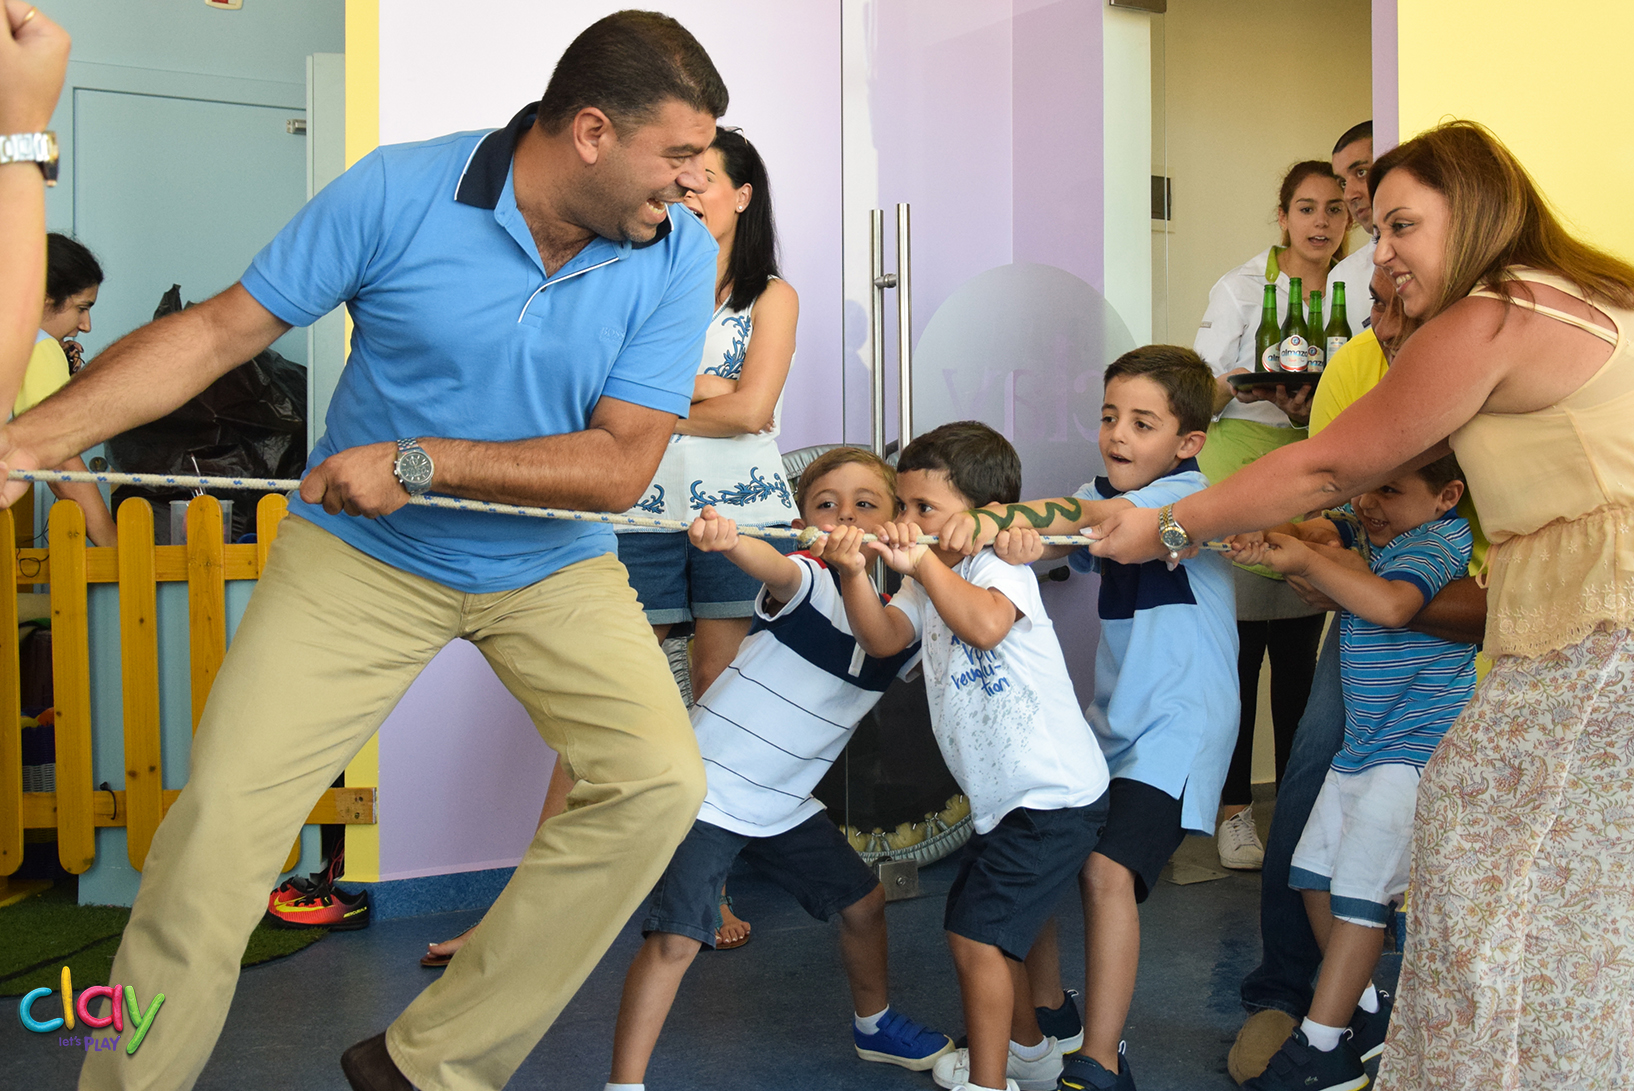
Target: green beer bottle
[1295,337]
[1313,348]
[1268,338]
[1338,331]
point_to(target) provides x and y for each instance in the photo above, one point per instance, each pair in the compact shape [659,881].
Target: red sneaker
[325,907]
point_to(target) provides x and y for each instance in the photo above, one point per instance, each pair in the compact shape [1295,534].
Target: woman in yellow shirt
[72,277]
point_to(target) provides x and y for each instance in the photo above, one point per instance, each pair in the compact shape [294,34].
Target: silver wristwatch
[1171,533]
[38,148]
[413,467]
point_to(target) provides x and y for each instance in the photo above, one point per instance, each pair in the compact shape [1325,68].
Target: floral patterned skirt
[1519,962]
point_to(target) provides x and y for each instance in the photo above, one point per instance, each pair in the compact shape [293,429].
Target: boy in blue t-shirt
[1402,691]
[1166,708]
[768,728]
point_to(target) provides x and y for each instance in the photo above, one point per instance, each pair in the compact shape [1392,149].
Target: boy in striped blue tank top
[1402,691]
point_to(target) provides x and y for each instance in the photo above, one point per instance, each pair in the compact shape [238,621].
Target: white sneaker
[1009,1085]
[953,1069]
[1239,842]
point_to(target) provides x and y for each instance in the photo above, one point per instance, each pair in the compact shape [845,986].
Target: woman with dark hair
[724,453]
[1271,617]
[72,277]
[1516,971]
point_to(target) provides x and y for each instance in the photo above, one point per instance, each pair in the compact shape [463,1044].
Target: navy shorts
[1142,831]
[1012,876]
[813,861]
[676,581]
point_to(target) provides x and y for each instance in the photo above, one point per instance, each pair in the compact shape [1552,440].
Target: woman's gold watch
[1170,533]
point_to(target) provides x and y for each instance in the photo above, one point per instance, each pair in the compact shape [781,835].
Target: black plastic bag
[251,422]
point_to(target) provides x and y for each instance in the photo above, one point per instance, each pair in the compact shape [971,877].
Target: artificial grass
[48,931]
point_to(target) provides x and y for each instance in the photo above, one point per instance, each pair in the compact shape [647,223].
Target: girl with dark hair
[72,277]
[1271,617]
[1516,970]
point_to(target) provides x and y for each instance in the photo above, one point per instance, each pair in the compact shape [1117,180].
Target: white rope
[273,484]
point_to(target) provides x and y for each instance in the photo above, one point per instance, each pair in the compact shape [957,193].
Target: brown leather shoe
[369,1067]
[1262,1034]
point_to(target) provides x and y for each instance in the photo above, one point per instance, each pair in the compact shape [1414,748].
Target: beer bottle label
[1271,359]
[1335,344]
[1315,355]
[1295,353]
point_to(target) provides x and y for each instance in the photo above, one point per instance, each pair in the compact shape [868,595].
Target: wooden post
[71,685]
[139,671]
[206,598]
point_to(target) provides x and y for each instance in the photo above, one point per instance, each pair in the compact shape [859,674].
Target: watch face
[414,468]
[1173,538]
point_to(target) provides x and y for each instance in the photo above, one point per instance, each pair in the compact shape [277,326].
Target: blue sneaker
[1367,1028]
[901,1041]
[1064,1024]
[1298,1067]
[1081,1072]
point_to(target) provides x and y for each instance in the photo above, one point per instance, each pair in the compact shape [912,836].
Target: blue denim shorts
[676,581]
[813,861]
[1012,876]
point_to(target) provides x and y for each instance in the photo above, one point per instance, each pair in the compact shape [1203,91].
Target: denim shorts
[1142,831]
[813,861]
[1012,876]
[676,581]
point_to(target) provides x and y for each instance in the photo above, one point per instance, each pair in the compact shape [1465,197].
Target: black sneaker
[1298,1067]
[1081,1072]
[1367,1028]
[1063,1023]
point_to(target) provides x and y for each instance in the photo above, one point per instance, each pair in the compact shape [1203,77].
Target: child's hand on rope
[899,545]
[842,548]
[1018,545]
[711,533]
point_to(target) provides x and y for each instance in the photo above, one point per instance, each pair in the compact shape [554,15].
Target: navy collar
[483,179]
[1104,486]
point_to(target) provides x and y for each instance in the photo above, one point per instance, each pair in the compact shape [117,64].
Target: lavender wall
[1386,89]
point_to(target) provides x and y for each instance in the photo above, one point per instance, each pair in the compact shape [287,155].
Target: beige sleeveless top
[1555,492]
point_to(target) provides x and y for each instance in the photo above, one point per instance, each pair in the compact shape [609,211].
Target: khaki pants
[330,641]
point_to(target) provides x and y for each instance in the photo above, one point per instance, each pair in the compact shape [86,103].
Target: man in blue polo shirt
[528,318]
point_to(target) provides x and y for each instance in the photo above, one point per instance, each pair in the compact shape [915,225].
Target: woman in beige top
[1520,958]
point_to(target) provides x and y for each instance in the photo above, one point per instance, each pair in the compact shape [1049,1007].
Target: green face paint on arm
[1071,509]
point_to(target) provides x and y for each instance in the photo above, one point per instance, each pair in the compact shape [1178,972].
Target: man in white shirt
[1352,160]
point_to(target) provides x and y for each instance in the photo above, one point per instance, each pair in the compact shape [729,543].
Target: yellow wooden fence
[76,809]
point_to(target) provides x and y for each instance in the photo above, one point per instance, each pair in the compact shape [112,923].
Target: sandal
[721,910]
[433,961]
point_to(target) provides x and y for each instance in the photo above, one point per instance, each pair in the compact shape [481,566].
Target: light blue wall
[266,41]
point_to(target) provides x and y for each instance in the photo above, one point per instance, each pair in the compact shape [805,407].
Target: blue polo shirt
[1166,707]
[458,333]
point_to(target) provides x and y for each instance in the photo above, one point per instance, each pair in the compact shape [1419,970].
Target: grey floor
[773,1013]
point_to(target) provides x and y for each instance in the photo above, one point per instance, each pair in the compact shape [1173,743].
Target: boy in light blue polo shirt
[1166,707]
[1402,691]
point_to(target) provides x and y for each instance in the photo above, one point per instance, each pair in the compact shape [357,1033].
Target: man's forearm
[1457,613]
[585,471]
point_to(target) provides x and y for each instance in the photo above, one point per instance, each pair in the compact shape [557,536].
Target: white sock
[869,1024]
[625,1087]
[1031,1053]
[1323,1039]
[1370,1000]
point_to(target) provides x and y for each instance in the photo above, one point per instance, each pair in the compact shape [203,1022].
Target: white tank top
[740,476]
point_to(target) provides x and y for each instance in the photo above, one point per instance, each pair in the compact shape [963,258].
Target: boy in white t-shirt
[768,729]
[1009,727]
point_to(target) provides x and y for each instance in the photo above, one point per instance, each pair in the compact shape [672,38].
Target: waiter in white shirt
[1352,160]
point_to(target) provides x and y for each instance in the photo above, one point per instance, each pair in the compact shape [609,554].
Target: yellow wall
[362,136]
[1553,81]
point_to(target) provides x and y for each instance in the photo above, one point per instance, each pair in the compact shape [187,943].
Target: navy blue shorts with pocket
[1142,831]
[1012,876]
[813,861]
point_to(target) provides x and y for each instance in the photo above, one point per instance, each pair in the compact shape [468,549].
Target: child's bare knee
[669,947]
[867,911]
[1103,877]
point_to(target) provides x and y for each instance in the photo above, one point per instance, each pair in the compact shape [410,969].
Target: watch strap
[39,148]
